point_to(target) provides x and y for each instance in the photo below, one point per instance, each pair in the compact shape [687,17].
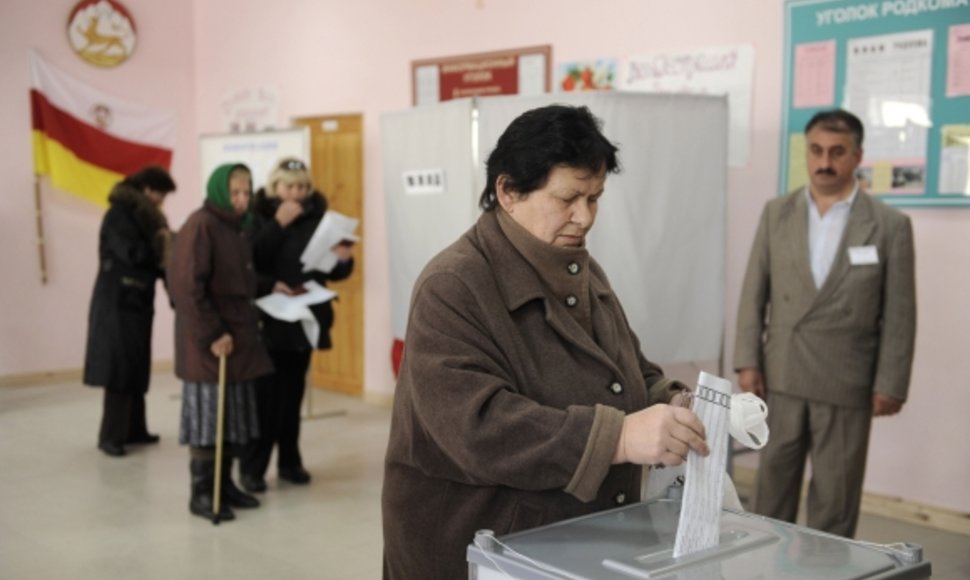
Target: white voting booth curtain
[660,231]
[419,225]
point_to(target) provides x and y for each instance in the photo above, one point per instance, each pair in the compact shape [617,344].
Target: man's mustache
[825,171]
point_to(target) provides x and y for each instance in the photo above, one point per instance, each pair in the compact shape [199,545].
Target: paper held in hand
[297,308]
[333,228]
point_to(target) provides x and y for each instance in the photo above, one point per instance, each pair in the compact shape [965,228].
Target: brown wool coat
[213,286]
[507,412]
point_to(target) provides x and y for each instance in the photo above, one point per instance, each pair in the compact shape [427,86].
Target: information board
[901,66]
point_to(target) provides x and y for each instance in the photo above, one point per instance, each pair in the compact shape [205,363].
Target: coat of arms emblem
[101,32]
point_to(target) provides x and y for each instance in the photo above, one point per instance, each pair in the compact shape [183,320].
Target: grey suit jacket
[854,335]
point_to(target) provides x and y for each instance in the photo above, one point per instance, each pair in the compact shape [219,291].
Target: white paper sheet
[297,308]
[333,228]
[699,527]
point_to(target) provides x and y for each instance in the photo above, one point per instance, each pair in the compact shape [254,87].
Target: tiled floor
[68,511]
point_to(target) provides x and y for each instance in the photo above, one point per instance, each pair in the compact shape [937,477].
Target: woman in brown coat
[213,284]
[523,398]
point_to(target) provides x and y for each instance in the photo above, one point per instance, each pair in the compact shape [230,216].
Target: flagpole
[40,231]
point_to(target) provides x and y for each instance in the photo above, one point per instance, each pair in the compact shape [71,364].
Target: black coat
[132,246]
[276,252]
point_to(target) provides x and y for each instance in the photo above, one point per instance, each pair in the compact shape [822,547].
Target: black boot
[232,494]
[203,477]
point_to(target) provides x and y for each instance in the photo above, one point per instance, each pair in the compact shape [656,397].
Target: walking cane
[220,419]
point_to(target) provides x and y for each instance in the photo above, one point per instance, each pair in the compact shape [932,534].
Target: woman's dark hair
[541,139]
[152,177]
[838,121]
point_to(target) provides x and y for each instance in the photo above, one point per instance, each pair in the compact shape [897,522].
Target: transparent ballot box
[637,541]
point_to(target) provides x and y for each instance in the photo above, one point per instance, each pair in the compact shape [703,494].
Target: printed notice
[958,62]
[797,167]
[955,160]
[428,85]
[888,87]
[814,75]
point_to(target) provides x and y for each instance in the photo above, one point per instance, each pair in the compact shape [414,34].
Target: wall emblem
[101,32]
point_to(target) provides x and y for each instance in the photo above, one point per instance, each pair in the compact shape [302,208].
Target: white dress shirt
[825,233]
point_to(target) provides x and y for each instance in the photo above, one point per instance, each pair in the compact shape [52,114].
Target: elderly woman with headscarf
[213,285]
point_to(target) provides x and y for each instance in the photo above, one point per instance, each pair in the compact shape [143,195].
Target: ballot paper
[700,512]
[296,308]
[332,229]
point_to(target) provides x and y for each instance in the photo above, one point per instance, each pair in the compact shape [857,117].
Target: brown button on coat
[505,415]
[212,282]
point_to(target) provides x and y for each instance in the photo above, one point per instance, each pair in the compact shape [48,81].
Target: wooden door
[336,162]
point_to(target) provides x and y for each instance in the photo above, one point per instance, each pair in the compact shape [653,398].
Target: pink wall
[329,57]
[44,326]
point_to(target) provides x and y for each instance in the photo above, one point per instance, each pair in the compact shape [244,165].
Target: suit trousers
[278,400]
[123,417]
[837,440]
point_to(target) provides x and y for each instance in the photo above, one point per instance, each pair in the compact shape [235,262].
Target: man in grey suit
[826,328]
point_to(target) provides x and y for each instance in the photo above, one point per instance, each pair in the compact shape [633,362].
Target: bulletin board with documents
[902,67]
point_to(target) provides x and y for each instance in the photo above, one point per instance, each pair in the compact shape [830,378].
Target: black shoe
[236,497]
[202,507]
[111,448]
[253,483]
[296,475]
[145,438]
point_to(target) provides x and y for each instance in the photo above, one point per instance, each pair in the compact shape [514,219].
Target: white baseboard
[895,508]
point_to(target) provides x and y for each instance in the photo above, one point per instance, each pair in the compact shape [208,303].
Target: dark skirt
[199,403]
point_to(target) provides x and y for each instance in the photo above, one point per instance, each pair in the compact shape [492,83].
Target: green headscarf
[217,189]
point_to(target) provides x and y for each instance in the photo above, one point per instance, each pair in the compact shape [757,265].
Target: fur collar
[148,217]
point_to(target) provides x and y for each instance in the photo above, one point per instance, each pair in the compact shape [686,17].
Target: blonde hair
[288,170]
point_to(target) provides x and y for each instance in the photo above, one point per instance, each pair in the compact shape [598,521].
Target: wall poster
[521,71]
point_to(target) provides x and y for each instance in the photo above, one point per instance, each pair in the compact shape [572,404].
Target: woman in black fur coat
[132,249]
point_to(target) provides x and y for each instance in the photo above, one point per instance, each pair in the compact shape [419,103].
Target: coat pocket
[135,295]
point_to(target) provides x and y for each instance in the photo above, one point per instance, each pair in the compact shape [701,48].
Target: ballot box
[637,541]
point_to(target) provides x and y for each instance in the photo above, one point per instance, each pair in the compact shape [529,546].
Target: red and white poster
[524,71]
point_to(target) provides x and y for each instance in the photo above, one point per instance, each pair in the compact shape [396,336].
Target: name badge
[863,255]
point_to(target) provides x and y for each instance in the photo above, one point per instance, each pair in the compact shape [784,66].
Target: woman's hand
[281,288]
[661,434]
[287,212]
[222,345]
[344,250]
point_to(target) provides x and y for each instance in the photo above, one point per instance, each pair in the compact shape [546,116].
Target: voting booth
[636,542]
[660,230]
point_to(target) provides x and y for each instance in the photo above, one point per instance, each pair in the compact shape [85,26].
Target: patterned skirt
[199,404]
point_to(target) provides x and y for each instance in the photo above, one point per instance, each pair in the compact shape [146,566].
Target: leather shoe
[111,448]
[296,475]
[252,483]
[236,497]
[145,438]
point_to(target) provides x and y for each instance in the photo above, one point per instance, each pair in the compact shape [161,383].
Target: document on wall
[888,87]
[955,160]
[333,229]
[296,308]
[699,527]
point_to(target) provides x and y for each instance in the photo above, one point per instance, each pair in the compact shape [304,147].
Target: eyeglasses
[293,165]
